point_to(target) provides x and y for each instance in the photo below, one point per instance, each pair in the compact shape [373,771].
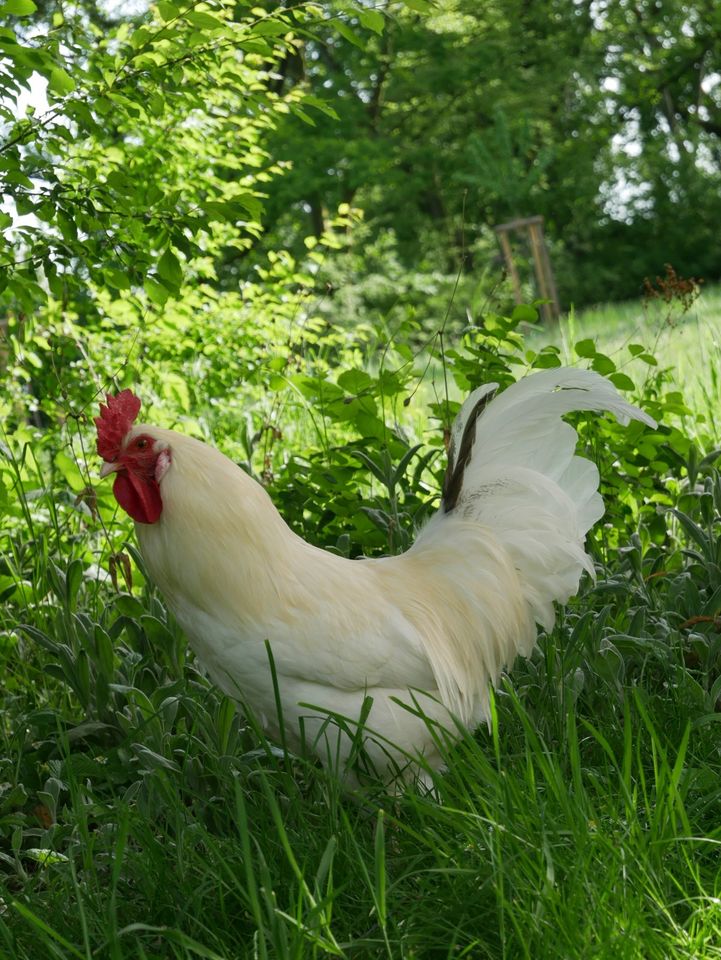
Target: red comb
[117,416]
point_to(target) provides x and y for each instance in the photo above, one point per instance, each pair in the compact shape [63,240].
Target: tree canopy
[198,136]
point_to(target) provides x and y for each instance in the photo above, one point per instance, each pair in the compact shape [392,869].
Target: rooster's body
[432,628]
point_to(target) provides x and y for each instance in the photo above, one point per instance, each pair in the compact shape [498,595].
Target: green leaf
[345,31]
[312,101]
[116,279]
[18,8]
[152,760]
[372,20]
[157,293]
[139,38]
[204,21]
[545,361]
[300,112]
[603,364]
[270,28]
[250,204]
[524,312]
[621,381]
[585,348]
[169,269]
[255,45]
[355,381]
[167,11]
[128,605]
[70,471]
[60,82]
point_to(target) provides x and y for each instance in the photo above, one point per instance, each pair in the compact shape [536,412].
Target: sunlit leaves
[153,143]
[157,293]
[18,8]
[372,20]
[168,11]
[524,312]
[204,21]
[60,82]
[170,271]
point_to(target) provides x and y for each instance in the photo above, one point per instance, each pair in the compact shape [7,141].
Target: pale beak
[108,468]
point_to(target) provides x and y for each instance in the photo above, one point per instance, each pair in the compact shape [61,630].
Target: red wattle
[139,497]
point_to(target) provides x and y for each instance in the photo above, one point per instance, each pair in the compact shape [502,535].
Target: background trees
[602,117]
[171,132]
[322,175]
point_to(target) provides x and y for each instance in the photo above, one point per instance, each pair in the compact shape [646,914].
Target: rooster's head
[139,459]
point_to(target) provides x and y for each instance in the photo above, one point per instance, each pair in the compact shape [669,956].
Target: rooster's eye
[141,443]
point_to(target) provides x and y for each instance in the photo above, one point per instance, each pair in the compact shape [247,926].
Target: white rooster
[431,628]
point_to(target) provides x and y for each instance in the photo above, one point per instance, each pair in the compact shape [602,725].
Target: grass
[688,343]
[553,834]
[140,817]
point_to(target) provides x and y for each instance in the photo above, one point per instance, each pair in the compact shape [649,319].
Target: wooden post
[510,265]
[540,272]
[541,262]
[550,279]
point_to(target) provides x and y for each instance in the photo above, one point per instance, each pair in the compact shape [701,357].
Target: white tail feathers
[523,428]
[513,467]
[513,474]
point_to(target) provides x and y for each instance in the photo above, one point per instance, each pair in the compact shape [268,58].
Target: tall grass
[549,836]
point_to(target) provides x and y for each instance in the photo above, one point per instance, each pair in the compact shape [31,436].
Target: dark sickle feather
[453,480]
